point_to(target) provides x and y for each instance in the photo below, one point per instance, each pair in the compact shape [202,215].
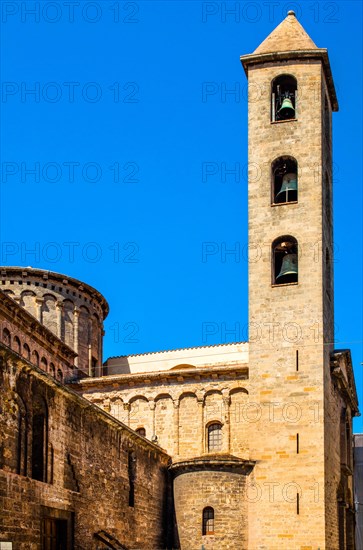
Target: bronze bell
[288,266]
[287,109]
[289,185]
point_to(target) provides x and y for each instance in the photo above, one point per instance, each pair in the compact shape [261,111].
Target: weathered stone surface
[85,479]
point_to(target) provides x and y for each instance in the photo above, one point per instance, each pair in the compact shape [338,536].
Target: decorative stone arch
[67,329]
[140,413]
[164,418]
[16,345]
[211,391]
[136,397]
[238,421]
[163,395]
[6,337]
[49,312]
[52,369]
[84,340]
[238,389]
[35,358]
[27,301]
[117,409]
[26,352]
[44,364]
[187,394]
[190,432]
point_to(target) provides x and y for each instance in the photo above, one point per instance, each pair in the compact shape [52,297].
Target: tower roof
[288,35]
[290,41]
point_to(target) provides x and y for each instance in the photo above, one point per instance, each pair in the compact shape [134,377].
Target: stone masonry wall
[72,310]
[177,410]
[288,436]
[225,493]
[86,458]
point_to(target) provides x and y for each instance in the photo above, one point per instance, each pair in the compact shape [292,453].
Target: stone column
[200,403]
[127,407]
[227,422]
[176,426]
[100,336]
[38,305]
[59,308]
[75,334]
[152,405]
[90,361]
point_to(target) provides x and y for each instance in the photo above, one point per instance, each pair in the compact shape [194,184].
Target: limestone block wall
[288,357]
[72,310]
[225,493]
[75,469]
[177,407]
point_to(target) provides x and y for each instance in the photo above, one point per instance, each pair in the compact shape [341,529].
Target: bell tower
[291,98]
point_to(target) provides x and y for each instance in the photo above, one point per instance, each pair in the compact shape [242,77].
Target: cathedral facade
[243,446]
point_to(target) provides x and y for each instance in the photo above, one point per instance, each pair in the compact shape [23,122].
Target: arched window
[26,352]
[208,521]
[17,345]
[141,431]
[44,364]
[6,337]
[283,98]
[52,370]
[284,180]
[284,260]
[39,441]
[35,358]
[214,433]
[60,375]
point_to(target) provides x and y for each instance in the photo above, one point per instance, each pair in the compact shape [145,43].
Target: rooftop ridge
[289,35]
[176,349]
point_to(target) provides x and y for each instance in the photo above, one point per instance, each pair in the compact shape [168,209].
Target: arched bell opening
[284,260]
[284,184]
[283,98]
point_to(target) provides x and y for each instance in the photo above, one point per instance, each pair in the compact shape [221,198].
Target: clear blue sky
[118,130]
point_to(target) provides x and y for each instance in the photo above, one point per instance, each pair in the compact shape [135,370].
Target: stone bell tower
[291,98]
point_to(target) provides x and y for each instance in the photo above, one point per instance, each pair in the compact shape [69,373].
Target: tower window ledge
[282,203]
[282,121]
[284,284]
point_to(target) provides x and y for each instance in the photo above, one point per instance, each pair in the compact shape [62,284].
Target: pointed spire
[288,35]
[289,41]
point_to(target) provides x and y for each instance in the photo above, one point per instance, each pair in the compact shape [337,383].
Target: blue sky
[117,131]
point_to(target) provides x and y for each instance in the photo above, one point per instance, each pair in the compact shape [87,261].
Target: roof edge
[46,273]
[173,349]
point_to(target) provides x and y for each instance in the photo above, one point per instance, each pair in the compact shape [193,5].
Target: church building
[241,446]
